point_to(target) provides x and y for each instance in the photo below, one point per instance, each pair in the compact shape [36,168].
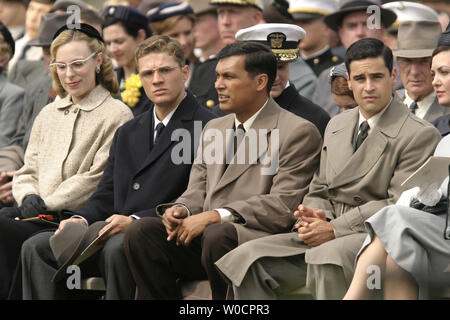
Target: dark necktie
[413,107]
[239,135]
[159,128]
[363,132]
[24,52]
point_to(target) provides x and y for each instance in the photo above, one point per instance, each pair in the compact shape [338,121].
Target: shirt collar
[248,123]
[95,98]
[372,121]
[422,105]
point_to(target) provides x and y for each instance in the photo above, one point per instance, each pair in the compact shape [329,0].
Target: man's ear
[261,81]
[349,83]
[394,76]
[257,16]
[141,36]
[185,71]
[99,59]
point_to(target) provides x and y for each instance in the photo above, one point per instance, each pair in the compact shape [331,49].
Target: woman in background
[123,29]
[342,94]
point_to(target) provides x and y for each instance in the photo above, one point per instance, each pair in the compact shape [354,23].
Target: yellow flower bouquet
[132,91]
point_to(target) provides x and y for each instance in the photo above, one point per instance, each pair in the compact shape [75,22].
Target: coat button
[76,110]
[66,112]
[332,193]
[357,198]
[136,186]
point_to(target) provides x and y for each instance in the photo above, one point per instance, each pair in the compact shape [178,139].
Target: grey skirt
[415,241]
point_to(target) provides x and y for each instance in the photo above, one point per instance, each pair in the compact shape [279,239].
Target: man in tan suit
[367,153]
[228,202]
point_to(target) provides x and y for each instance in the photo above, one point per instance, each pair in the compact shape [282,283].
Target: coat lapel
[359,163]
[144,131]
[184,112]
[340,141]
[266,120]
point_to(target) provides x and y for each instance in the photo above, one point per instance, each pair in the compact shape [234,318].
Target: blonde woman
[69,142]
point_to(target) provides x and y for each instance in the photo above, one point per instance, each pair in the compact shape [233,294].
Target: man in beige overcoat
[367,153]
[228,202]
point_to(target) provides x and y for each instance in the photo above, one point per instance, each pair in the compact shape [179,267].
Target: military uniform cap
[254,3]
[311,9]
[126,13]
[410,11]
[167,10]
[283,39]
[338,71]
[444,38]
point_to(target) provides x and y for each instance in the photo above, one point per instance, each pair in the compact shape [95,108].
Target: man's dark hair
[369,48]
[258,59]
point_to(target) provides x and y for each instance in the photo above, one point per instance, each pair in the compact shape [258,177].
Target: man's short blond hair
[161,44]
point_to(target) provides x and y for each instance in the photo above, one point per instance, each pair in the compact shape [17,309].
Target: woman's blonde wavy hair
[107,76]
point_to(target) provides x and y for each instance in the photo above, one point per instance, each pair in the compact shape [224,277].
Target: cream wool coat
[68,149]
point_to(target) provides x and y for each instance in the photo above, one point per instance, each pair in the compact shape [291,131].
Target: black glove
[10,212]
[32,205]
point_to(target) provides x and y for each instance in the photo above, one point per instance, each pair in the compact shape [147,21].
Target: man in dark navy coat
[142,172]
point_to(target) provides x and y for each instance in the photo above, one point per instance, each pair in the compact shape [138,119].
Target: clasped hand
[184,228]
[313,229]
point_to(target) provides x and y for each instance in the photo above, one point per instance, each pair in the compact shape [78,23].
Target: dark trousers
[12,234]
[157,264]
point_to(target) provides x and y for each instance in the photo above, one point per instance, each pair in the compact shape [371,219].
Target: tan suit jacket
[264,203]
[350,186]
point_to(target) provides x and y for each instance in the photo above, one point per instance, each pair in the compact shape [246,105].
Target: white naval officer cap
[282,38]
[253,3]
[311,9]
[410,11]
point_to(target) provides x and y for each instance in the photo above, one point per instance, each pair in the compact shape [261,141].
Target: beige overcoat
[263,198]
[349,186]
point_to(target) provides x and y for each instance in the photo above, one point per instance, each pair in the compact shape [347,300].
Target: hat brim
[90,234]
[333,21]
[37,42]
[419,53]
[306,15]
